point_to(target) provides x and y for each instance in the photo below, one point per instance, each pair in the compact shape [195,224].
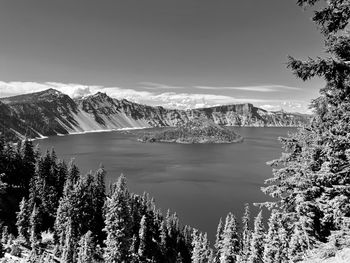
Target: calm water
[200,182]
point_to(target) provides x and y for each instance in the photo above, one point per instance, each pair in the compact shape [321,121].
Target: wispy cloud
[261,88]
[168,99]
[158,86]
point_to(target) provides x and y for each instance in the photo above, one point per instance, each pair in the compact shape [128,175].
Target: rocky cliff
[51,112]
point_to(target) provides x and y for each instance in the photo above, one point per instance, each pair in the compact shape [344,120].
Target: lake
[201,182]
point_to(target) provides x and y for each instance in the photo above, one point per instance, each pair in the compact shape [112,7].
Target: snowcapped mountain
[51,112]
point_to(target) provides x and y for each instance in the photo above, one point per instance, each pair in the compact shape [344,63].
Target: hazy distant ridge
[51,112]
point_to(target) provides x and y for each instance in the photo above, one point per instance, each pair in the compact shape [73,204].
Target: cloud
[157,86]
[269,107]
[167,99]
[8,89]
[261,88]
[288,106]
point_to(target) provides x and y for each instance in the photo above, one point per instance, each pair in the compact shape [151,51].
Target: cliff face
[50,112]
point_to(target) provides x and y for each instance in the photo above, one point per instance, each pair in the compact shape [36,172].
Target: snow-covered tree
[311,180]
[118,220]
[69,250]
[87,248]
[23,221]
[35,222]
[142,238]
[4,234]
[229,250]
[299,242]
[257,243]
[273,246]
[246,234]
[218,240]
[200,252]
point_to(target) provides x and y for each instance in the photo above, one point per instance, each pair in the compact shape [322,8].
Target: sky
[174,53]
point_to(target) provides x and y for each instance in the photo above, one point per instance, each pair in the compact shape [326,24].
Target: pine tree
[35,223]
[299,242]
[134,257]
[28,162]
[117,223]
[273,243]
[257,243]
[284,244]
[72,174]
[246,234]
[218,241]
[311,179]
[230,241]
[23,221]
[70,246]
[86,250]
[200,244]
[163,238]
[143,238]
[98,200]
[35,233]
[4,234]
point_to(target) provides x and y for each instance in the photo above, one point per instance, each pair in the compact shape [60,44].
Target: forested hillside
[52,213]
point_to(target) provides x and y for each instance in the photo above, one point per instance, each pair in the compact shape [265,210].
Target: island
[198,130]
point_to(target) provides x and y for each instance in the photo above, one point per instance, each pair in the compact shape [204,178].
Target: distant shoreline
[143,128]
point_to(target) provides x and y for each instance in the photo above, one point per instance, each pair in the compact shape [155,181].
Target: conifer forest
[51,212]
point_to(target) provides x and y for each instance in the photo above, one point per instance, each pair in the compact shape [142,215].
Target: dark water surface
[201,182]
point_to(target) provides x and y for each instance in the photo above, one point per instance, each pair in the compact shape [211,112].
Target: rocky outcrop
[51,112]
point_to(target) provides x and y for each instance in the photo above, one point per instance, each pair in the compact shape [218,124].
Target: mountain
[51,112]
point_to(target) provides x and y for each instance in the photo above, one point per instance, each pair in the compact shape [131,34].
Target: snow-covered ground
[341,256]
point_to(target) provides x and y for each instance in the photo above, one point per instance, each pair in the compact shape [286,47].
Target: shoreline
[142,128]
[91,131]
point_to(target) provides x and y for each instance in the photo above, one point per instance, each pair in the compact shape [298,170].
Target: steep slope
[11,126]
[51,112]
[48,112]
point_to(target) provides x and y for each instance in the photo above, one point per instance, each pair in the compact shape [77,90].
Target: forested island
[197,130]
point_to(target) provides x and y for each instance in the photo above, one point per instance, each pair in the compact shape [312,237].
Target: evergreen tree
[272,248]
[218,241]
[73,173]
[299,242]
[142,238]
[311,180]
[35,234]
[35,223]
[98,200]
[284,244]
[28,164]
[230,241]
[23,221]
[246,234]
[69,251]
[134,257]
[4,234]
[86,250]
[200,244]
[257,243]
[117,224]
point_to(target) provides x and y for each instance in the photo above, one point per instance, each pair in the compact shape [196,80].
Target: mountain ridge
[50,112]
